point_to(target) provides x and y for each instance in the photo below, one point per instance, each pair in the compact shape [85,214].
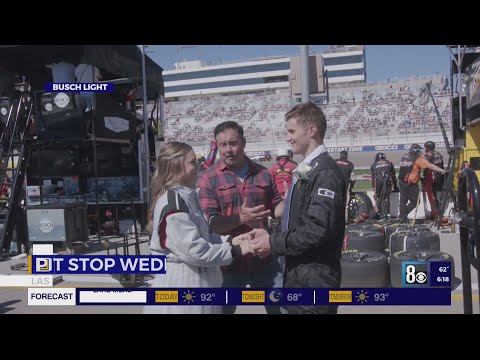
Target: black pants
[408,193]
[436,189]
[382,191]
[312,276]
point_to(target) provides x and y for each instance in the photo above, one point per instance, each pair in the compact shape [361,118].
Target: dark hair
[344,153]
[228,125]
[309,114]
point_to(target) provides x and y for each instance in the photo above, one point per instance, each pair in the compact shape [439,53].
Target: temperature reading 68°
[380,296]
[294,296]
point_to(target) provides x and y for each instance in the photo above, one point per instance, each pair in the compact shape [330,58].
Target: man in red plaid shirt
[237,195]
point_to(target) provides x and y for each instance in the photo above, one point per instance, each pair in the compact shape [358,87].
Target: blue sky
[383,61]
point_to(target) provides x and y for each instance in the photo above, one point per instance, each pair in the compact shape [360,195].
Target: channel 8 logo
[415,273]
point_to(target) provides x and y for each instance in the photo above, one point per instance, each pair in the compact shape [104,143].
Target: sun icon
[188,296]
[362,296]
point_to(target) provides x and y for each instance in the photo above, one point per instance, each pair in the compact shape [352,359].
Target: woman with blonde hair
[180,231]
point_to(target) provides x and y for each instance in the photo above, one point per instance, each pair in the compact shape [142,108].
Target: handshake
[256,242]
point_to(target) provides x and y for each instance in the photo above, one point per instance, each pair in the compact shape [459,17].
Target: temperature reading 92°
[207,296]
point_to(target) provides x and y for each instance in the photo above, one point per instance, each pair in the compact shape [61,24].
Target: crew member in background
[433,182]
[211,157]
[282,170]
[409,174]
[383,178]
[62,71]
[346,168]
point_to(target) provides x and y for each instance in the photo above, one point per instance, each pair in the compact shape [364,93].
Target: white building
[343,64]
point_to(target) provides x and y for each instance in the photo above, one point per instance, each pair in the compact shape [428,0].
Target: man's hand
[251,216]
[246,248]
[237,240]
[260,243]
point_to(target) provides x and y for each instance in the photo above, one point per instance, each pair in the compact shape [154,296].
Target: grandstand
[385,113]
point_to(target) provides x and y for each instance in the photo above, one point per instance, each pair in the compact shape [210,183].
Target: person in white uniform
[180,231]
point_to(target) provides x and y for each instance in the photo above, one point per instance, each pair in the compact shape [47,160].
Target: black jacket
[317,219]
[380,169]
[346,168]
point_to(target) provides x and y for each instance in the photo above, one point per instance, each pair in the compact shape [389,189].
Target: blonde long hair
[169,169]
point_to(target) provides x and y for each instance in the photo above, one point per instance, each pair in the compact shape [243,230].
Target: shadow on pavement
[4,307]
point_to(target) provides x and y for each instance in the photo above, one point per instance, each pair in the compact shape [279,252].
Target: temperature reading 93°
[380,296]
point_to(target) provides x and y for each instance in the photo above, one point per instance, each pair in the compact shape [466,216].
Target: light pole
[304,73]
[146,159]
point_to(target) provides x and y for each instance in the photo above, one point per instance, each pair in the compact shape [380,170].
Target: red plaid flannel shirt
[222,193]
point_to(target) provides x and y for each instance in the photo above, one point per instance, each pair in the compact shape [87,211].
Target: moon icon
[275,295]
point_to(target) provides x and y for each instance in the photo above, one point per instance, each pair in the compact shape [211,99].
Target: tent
[114,61]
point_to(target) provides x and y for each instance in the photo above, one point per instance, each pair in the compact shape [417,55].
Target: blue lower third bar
[384,296]
[280,296]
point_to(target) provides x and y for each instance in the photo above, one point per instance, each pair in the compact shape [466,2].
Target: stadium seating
[375,114]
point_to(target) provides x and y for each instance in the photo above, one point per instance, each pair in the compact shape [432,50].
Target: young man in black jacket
[314,218]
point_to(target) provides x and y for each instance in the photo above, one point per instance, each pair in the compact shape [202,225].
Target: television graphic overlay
[426,274]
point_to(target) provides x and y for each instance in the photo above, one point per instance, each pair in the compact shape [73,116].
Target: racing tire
[359,208]
[413,240]
[401,228]
[365,226]
[359,239]
[364,269]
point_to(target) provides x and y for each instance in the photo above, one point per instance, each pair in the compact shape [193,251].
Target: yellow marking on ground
[459,297]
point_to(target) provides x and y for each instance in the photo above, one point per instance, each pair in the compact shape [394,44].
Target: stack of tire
[373,252]
[364,263]
[406,243]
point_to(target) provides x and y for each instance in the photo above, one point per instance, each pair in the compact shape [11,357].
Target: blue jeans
[89,100]
[271,276]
